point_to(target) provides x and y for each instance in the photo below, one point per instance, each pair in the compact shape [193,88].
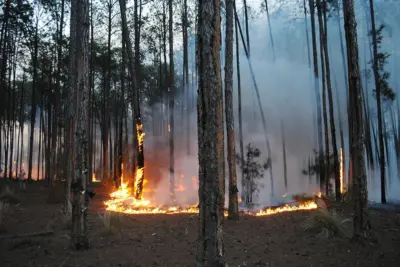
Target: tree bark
[378,102]
[360,193]
[233,212]
[330,102]
[135,104]
[326,166]
[241,147]
[171,87]
[210,136]
[317,93]
[33,100]
[80,197]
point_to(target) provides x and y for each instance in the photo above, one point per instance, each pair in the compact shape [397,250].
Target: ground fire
[123,201]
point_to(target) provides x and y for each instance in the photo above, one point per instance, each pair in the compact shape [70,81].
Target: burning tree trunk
[230,129]
[210,136]
[135,103]
[360,193]
[80,196]
[171,86]
[284,158]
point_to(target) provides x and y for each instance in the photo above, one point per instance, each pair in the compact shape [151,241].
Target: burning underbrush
[122,200]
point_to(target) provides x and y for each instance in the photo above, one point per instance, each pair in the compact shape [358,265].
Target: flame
[341,172]
[123,201]
[94,178]
[169,127]
[140,135]
[310,205]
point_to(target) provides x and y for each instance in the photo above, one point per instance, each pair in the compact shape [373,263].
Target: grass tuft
[328,224]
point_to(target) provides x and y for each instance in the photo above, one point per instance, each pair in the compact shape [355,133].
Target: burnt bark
[135,102]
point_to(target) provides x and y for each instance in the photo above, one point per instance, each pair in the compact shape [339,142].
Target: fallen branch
[45,233]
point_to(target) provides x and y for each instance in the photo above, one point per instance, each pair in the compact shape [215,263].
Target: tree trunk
[317,93]
[80,197]
[330,102]
[378,103]
[270,30]
[69,110]
[233,212]
[33,100]
[326,166]
[186,74]
[241,148]
[360,193]
[171,87]
[135,103]
[210,136]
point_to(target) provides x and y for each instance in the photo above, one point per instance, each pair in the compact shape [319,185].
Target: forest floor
[170,240]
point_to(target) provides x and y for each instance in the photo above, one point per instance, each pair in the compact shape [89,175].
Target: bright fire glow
[311,205]
[122,201]
[94,178]
[140,135]
[341,172]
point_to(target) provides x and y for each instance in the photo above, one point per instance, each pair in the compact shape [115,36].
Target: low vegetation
[328,223]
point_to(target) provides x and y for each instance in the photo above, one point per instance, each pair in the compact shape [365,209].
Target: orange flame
[122,201]
[311,205]
[341,172]
[94,178]
[140,135]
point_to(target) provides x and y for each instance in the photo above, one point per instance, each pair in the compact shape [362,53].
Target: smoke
[287,96]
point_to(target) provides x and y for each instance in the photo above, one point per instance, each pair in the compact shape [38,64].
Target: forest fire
[341,172]
[123,201]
